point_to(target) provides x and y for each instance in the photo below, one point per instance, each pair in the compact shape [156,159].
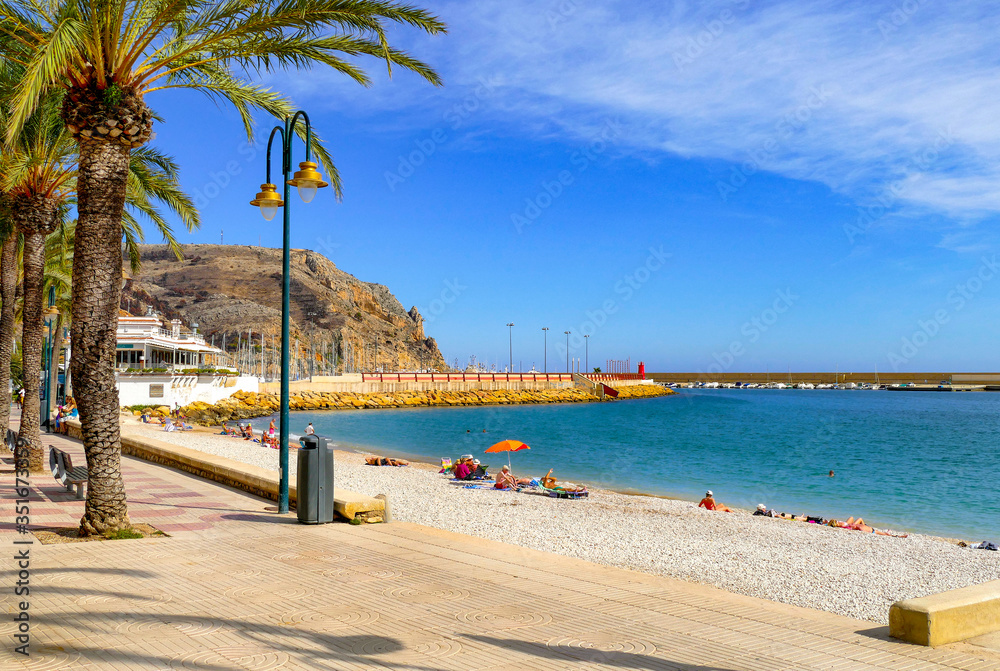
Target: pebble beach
[845,572]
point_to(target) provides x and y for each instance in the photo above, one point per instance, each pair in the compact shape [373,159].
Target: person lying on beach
[762,510]
[248,432]
[506,479]
[710,503]
[385,461]
[859,525]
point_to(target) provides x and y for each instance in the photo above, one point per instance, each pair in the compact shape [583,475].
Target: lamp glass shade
[307,192]
[269,210]
[307,179]
[268,201]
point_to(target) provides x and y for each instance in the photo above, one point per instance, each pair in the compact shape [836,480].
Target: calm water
[926,462]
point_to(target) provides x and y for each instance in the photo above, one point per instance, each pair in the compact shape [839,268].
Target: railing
[162,333]
[466,377]
[611,377]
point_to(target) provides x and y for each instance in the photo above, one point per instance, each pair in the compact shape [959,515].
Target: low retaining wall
[253,479]
[357,386]
[951,616]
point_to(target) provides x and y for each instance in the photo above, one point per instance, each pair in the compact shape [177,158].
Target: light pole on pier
[567,349]
[510,345]
[586,360]
[545,335]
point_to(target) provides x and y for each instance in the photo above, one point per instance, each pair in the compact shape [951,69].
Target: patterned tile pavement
[237,586]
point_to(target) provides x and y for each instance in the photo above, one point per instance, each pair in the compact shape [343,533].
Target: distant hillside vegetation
[228,289]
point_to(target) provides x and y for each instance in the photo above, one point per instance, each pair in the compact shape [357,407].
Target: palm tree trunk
[97,276]
[8,291]
[31,346]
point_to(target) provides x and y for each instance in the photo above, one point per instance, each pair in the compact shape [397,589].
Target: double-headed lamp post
[307,179]
[545,357]
[51,315]
[567,349]
[510,346]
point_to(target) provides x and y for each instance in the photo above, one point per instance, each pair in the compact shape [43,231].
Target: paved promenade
[237,586]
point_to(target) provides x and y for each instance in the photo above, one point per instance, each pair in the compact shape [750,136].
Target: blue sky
[704,186]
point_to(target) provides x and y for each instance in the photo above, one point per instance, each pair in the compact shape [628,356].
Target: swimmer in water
[831,472]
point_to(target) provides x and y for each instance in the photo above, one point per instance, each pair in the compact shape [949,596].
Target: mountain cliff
[228,290]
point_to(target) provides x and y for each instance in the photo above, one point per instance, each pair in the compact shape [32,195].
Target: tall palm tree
[38,171]
[107,56]
[39,178]
[8,292]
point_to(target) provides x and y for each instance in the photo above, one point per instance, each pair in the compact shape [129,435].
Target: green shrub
[123,534]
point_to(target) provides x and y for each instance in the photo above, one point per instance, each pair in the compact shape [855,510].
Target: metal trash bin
[314,481]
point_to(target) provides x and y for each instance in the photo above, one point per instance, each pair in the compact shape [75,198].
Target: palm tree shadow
[611,659]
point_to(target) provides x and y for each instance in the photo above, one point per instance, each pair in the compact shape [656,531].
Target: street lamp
[567,349]
[510,345]
[545,359]
[586,360]
[307,180]
[51,315]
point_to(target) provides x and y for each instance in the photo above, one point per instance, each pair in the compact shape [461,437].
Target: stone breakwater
[642,391]
[247,405]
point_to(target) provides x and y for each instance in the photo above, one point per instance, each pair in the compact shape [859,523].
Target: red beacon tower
[642,370]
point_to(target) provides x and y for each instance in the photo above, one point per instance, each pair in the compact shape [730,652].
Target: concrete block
[951,616]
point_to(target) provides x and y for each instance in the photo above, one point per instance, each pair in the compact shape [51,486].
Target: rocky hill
[229,290]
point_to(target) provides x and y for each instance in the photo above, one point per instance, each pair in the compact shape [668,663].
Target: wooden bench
[61,465]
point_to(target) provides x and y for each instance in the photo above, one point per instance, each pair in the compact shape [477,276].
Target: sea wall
[243,405]
[355,383]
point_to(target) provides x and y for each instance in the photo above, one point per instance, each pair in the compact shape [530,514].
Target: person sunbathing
[549,482]
[463,469]
[385,461]
[506,480]
[859,525]
[709,503]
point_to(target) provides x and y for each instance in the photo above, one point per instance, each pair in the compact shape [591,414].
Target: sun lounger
[563,493]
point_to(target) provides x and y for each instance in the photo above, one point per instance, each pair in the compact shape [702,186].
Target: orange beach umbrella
[508,446]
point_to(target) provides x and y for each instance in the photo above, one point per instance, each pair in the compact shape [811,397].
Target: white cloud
[856,95]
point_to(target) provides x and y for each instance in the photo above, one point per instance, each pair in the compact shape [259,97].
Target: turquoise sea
[914,461]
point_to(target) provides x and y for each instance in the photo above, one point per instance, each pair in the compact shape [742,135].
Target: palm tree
[39,180]
[106,57]
[8,293]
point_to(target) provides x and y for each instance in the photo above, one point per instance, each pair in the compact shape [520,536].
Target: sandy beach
[846,572]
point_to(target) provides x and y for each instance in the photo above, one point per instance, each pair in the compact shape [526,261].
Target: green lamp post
[307,179]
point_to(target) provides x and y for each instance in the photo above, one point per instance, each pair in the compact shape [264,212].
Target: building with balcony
[144,343]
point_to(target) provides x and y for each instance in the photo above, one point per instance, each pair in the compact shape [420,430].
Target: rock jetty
[247,405]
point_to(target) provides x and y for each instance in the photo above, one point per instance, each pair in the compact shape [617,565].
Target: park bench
[61,465]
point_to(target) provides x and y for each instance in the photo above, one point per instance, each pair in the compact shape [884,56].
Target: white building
[171,367]
[144,343]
